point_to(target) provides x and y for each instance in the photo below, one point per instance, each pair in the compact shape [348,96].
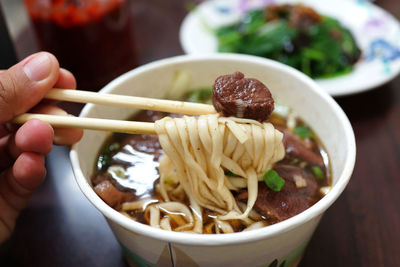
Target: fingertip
[62,136]
[35,136]
[29,170]
[51,80]
[66,80]
[65,137]
[53,59]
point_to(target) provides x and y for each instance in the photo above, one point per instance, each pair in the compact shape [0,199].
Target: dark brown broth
[139,155]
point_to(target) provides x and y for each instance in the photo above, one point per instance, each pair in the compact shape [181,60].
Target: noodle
[197,154]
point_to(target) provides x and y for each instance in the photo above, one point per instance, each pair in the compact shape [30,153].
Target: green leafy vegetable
[318,172]
[104,160]
[324,49]
[303,131]
[273,180]
[112,148]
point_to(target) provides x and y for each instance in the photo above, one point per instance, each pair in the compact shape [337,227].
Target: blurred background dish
[91,38]
[376,32]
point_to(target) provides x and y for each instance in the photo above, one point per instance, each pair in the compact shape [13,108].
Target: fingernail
[38,67]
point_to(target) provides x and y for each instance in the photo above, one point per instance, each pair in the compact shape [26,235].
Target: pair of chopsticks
[120,126]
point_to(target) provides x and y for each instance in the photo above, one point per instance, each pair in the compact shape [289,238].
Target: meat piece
[296,147]
[299,16]
[303,17]
[291,200]
[234,95]
[100,177]
[110,194]
[288,172]
[275,12]
[143,143]
[146,143]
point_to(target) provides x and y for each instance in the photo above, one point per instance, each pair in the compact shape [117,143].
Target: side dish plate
[376,31]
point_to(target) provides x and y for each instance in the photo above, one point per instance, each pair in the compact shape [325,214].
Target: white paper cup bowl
[281,242]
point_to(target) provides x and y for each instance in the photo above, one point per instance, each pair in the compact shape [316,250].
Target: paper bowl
[281,243]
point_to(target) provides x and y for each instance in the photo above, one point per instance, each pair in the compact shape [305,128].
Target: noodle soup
[279,244]
[127,178]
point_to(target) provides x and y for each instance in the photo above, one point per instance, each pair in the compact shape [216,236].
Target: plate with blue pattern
[375,30]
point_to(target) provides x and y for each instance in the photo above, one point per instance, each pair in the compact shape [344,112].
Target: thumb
[23,85]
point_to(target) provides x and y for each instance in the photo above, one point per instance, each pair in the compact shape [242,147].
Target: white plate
[376,31]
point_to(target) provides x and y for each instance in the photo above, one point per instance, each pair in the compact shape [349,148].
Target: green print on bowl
[137,260]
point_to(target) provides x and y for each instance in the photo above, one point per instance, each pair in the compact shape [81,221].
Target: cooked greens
[104,159]
[319,47]
[303,131]
[273,180]
[318,172]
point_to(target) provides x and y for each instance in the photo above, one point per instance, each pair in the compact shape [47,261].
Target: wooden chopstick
[131,101]
[120,126]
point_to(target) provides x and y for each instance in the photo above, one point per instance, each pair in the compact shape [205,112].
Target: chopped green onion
[117,171]
[273,180]
[231,174]
[200,96]
[168,180]
[318,172]
[103,162]
[179,85]
[303,131]
[105,158]
[111,148]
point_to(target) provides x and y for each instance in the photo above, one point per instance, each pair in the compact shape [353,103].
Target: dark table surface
[61,228]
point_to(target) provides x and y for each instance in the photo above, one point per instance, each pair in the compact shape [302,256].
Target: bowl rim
[234,238]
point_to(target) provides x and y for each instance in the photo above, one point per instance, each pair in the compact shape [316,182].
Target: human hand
[23,149]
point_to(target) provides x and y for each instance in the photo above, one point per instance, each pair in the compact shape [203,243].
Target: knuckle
[7,95]
[3,91]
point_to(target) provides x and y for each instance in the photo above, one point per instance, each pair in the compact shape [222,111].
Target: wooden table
[61,228]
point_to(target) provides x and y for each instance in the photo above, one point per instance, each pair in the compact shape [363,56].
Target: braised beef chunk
[234,95]
[110,194]
[146,143]
[299,193]
[299,16]
[296,147]
[101,177]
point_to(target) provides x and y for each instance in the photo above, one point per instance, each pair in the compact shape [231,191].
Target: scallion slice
[231,174]
[273,180]
[303,131]
[318,172]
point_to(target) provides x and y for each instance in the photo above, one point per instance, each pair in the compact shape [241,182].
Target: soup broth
[127,177]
